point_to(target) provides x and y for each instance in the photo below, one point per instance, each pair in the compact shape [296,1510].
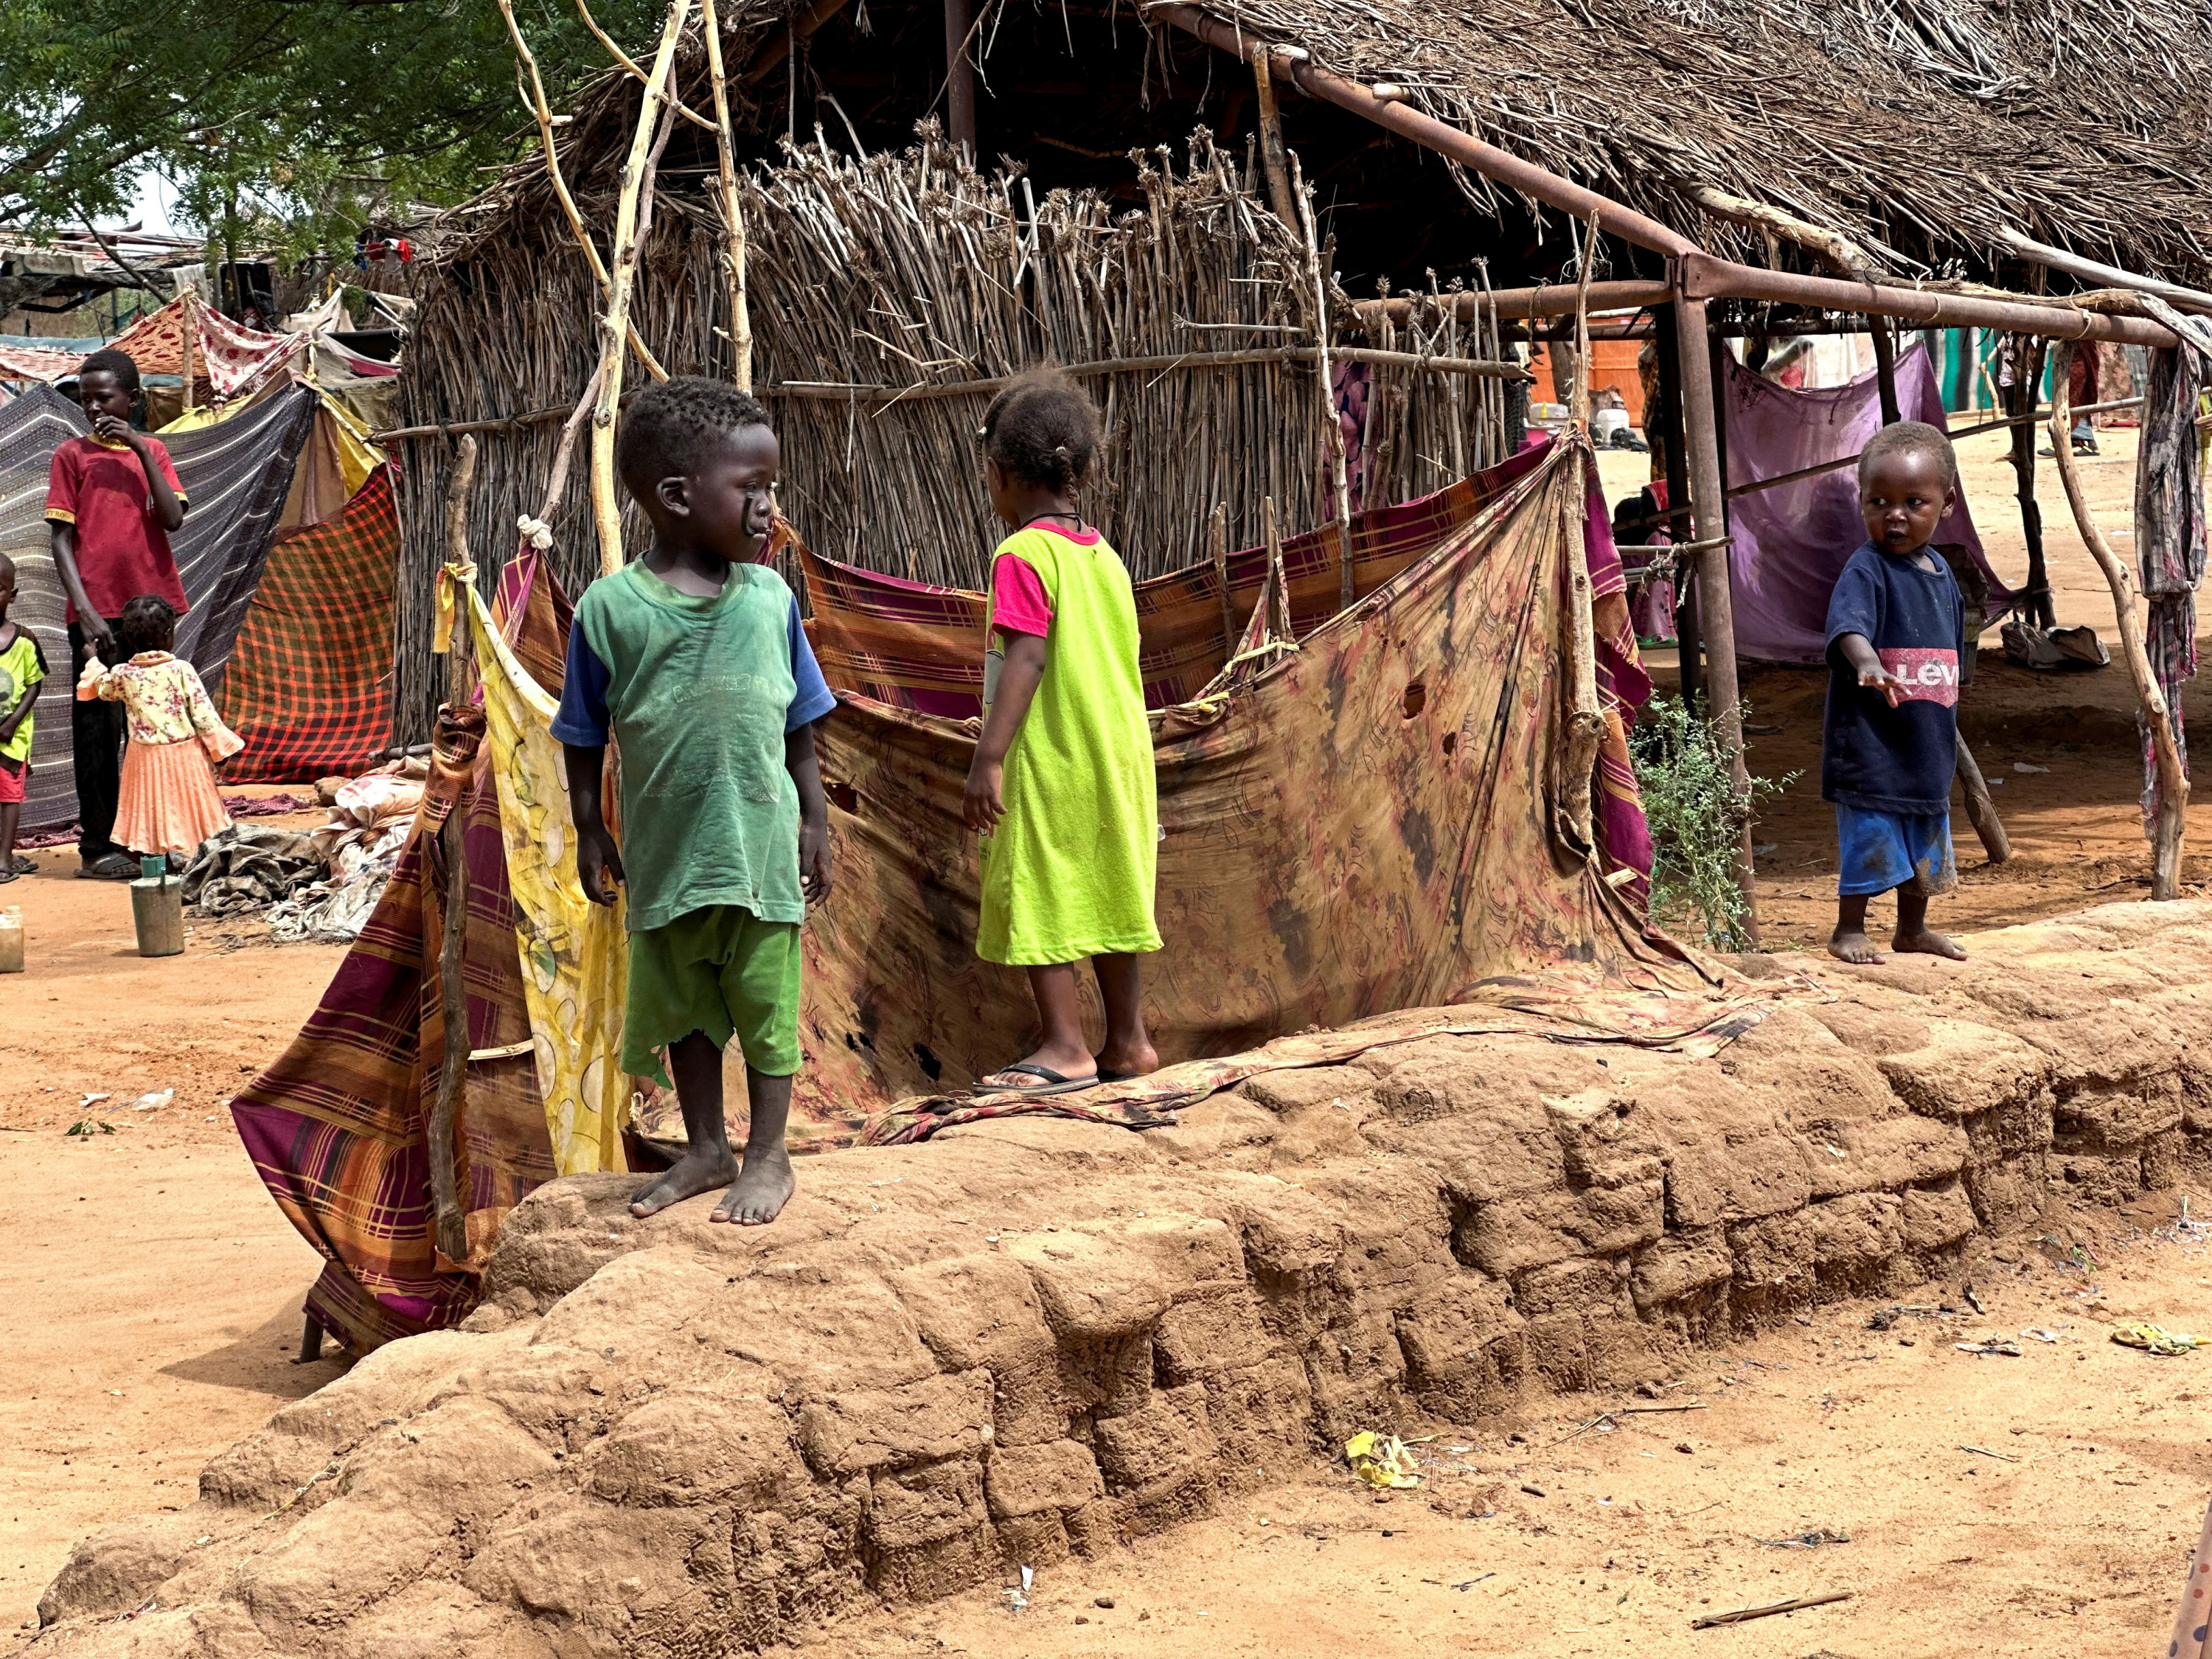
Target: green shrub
[1696,818]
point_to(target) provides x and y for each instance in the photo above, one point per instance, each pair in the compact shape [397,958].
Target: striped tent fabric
[309,683]
[236,475]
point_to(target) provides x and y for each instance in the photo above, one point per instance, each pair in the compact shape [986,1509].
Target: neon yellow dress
[1069,871]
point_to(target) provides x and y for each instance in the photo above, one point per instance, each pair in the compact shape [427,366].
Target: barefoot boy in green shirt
[693,660]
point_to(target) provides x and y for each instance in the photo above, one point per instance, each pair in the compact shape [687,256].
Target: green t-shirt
[698,693]
[23,665]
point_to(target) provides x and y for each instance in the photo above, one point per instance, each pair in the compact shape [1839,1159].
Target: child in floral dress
[168,801]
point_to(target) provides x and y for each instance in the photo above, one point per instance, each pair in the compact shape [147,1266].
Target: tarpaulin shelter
[237,474]
[1788,545]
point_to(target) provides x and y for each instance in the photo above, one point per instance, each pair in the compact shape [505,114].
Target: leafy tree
[284,123]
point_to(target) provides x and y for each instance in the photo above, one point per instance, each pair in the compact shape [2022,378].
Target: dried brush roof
[1927,126]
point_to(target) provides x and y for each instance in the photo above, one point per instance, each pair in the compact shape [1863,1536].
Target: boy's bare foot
[759,1193]
[1927,944]
[1851,945]
[1136,1059]
[693,1173]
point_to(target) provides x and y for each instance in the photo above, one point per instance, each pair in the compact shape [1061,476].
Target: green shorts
[720,970]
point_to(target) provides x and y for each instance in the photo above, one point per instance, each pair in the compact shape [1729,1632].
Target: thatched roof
[1929,125]
[1925,125]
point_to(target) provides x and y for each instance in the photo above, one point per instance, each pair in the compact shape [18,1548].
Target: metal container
[157,909]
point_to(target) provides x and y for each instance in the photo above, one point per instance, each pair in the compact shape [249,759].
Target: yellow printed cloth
[574,963]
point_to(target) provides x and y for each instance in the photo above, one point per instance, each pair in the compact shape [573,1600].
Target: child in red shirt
[112,501]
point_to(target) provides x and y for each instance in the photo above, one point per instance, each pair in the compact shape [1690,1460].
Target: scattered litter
[1018,1599]
[2003,1345]
[2155,1340]
[1469,1583]
[2040,1335]
[154,1101]
[1740,1614]
[1972,1301]
[1381,1460]
[2028,766]
[88,1099]
[2002,1458]
[90,1126]
[1533,1491]
[1883,1318]
[1805,1541]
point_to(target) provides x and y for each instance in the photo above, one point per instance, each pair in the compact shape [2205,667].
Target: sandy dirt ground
[2068,1529]
[155,1291]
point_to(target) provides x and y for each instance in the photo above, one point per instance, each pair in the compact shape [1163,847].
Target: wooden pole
[190,321]
[733,216]
[2028,390]
[606,503]
[1217,538]
[1272,156]
[454,910]
[1981,811]
[1716,616]
[2171,825]
[1885,368]
[1331,425]
[1688,646]
[959,79]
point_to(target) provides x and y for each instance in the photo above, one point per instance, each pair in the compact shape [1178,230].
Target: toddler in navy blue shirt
[1890,739]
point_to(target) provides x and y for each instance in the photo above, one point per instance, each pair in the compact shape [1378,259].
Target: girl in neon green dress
[1061,786]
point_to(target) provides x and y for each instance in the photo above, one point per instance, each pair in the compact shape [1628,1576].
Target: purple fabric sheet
[1790,543]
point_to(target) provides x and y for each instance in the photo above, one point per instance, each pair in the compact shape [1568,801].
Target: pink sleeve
[1018,603]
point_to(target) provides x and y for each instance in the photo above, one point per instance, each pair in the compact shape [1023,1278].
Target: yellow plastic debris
[1381,1460]
[2154,1339]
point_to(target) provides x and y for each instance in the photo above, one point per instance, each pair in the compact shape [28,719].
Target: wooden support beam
[1688,645]
[447,1214]
[1273,155]
[959,79]
[734,214]
[2073,265]
[780,43]
[1715,615]
[2171,824]
[607,501]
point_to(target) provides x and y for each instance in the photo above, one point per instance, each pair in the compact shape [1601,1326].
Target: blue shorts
[1883,850]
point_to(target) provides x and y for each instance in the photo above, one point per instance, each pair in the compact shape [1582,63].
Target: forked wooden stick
[544,113]
[2172,824]
[606,504]
[733,217]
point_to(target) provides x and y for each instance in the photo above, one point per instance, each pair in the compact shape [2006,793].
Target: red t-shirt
[122,551]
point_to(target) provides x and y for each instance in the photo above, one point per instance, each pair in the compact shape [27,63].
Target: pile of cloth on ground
[319,885]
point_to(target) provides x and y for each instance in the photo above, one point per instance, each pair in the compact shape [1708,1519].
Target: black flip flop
[26,867]
[1052,1083]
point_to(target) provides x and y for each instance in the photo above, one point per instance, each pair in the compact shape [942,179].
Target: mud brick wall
[1030,1338]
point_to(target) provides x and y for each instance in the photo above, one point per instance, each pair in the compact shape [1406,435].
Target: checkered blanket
[309,685]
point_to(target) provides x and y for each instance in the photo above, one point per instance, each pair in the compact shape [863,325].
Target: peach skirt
[168,803]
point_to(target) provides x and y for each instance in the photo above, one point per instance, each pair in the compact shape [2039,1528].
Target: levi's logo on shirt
[1927,676]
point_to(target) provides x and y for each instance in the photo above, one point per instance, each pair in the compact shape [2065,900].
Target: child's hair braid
[1044,429]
